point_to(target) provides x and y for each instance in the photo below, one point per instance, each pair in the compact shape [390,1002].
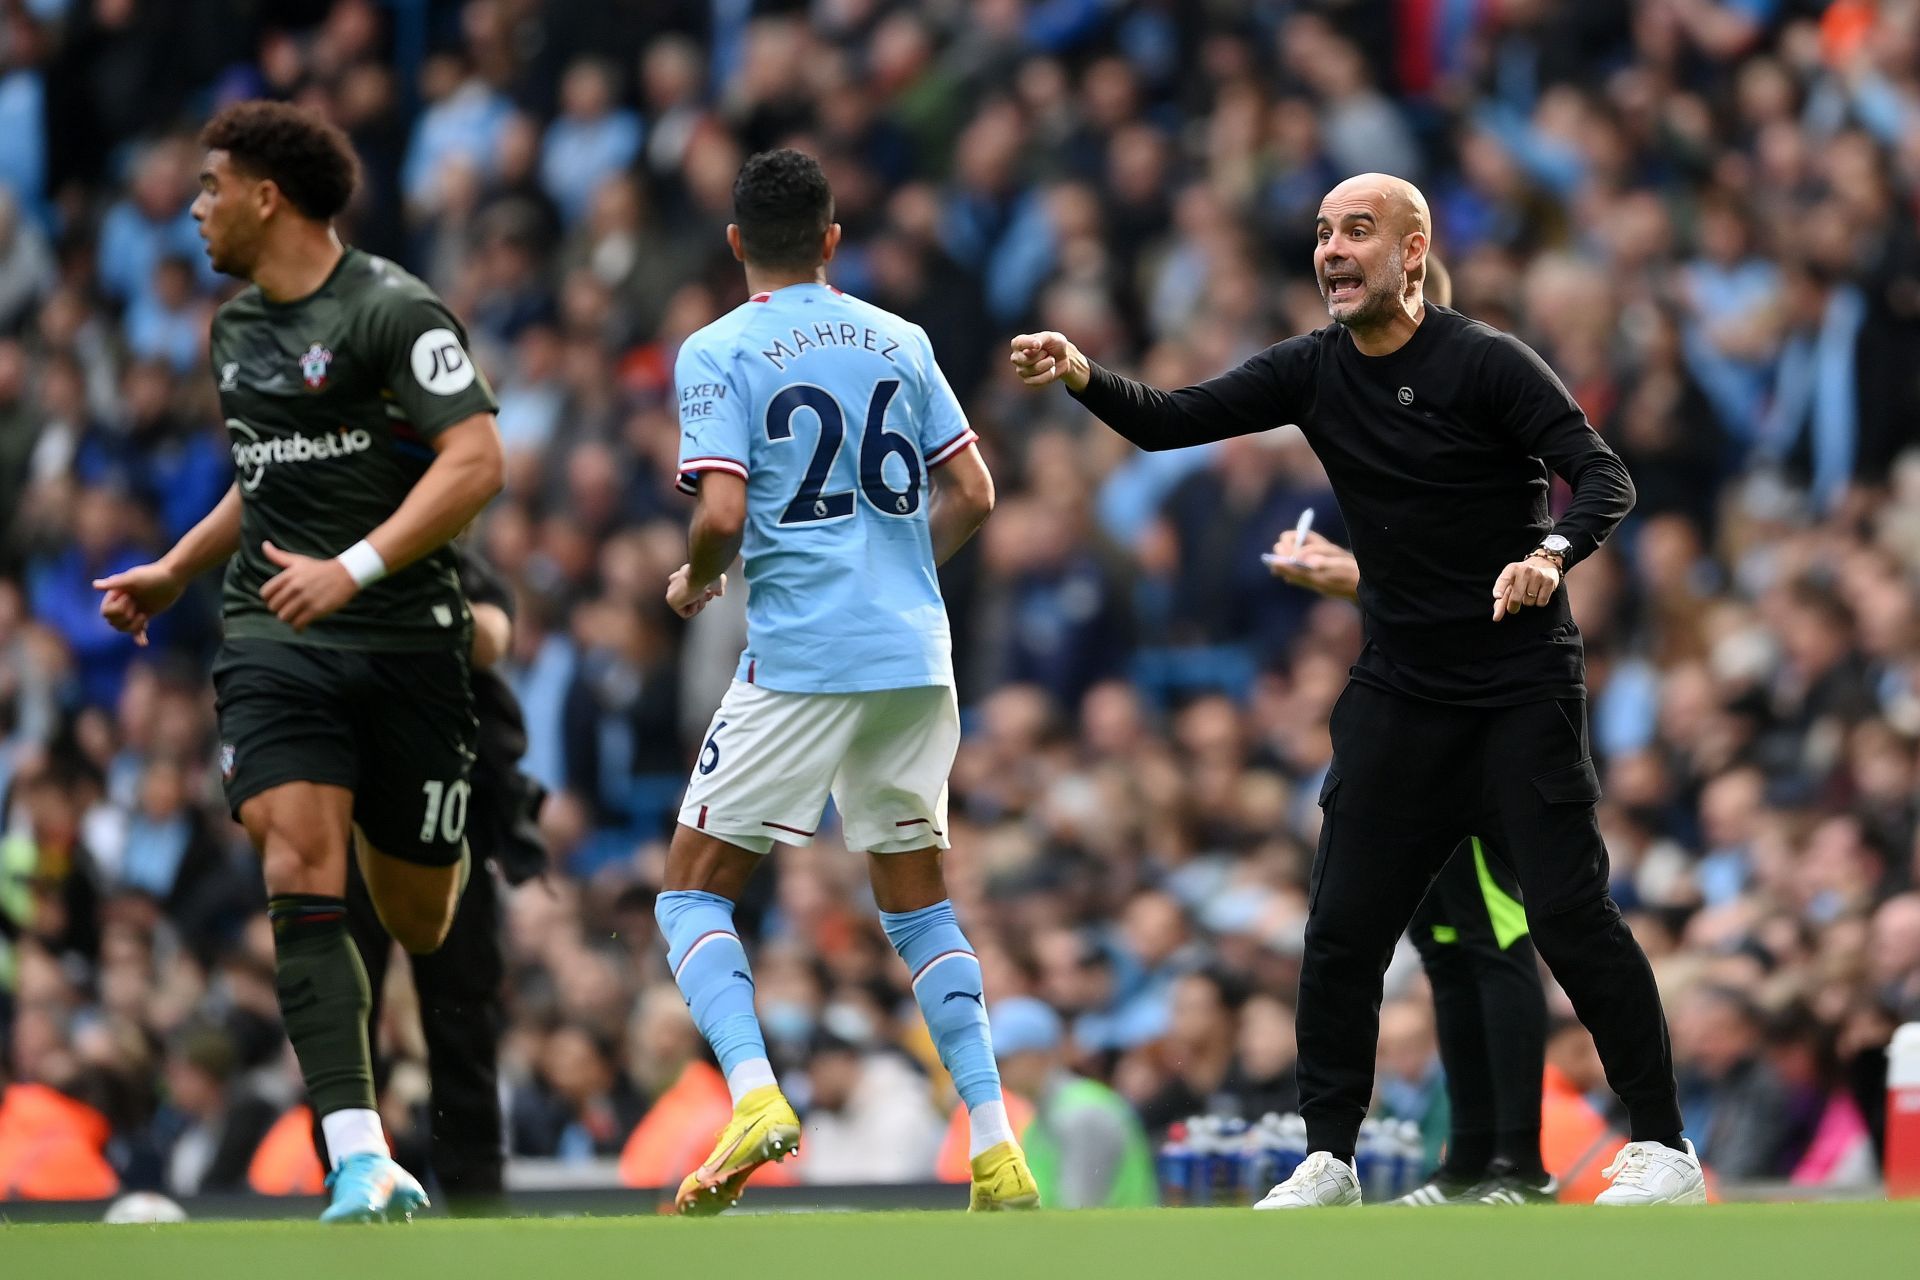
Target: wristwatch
[1552,547]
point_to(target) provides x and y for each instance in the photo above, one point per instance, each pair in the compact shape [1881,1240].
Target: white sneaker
[1320,1181]
[1654,1173]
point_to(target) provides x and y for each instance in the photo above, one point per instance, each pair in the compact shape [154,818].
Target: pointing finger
[1500,593]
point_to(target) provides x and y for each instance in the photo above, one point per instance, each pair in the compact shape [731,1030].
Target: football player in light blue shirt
[811,427]
[835,414]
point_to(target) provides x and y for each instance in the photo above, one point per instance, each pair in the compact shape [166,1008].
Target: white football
[144,1206]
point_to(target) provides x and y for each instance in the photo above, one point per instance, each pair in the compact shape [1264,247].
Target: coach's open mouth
[1343,286]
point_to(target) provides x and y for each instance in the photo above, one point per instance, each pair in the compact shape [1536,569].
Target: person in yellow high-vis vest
[1084,1144]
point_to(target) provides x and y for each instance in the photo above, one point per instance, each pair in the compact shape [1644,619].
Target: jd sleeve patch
[440,363]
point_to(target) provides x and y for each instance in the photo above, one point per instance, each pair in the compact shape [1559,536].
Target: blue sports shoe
[372,1188]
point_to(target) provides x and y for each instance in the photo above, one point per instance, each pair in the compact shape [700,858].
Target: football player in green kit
[363,440]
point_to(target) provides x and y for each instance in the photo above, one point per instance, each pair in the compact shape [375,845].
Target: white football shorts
[771,759]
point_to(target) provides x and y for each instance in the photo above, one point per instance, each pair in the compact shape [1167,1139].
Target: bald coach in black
[1466,713]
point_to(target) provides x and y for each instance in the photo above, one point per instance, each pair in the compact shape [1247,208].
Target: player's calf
[709,964]
[947,984]
[708,961]
[301,831]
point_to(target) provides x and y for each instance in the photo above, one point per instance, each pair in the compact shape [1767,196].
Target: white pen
[1299,540]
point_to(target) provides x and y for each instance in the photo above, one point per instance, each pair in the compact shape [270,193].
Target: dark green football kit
[331,404]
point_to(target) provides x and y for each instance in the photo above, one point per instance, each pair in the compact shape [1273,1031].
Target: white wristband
[363,563]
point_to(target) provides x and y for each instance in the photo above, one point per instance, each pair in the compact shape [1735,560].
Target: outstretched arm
[1260,394]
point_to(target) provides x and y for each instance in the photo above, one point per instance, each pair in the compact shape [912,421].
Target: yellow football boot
[1001,1180]
[763,1128]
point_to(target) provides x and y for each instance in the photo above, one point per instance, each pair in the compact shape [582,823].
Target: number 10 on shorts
[446,810]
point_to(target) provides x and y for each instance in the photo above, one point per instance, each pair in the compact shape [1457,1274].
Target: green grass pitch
[1858,1241]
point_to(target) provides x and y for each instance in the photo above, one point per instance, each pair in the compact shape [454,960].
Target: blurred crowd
[1704,213]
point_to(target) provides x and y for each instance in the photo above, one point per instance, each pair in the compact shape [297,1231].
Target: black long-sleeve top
[1439,454]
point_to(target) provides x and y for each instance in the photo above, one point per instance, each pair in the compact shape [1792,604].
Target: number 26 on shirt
[812,504]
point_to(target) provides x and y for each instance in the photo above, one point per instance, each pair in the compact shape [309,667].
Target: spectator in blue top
[464,122]
[23,131]
[1732,297]
[591,140]
[152,223]
[990,223]
[61,595]
[168,322]
[1060,623]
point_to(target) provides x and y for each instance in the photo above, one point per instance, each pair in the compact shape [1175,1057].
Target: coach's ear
[1413,254]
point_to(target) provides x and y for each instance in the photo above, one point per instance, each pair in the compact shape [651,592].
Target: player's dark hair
[307,157]
[783,207]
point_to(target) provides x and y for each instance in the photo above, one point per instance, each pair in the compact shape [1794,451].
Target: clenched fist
[686,599]
[1040,358]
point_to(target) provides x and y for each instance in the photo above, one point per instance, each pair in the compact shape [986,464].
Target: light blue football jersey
[835,413]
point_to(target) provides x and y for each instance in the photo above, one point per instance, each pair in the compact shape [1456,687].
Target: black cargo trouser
[1410,780]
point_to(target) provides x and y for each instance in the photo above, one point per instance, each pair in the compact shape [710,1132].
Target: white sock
[754,1073]
[355,1131]
[987,1127]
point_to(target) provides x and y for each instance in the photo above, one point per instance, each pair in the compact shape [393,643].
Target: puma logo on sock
[971,995]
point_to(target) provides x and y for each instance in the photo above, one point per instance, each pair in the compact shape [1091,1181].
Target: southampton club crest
[313,366]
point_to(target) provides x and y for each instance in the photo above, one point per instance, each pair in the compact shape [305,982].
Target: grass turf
[1859,1241]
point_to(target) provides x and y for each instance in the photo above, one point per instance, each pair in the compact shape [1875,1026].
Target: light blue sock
[946,982]
[711,967]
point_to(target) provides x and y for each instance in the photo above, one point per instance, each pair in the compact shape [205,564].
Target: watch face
[1554,542]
